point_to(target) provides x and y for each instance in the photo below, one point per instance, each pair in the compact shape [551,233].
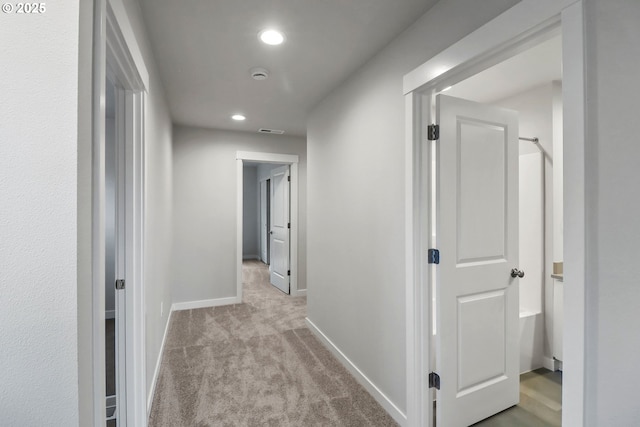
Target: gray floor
[110,360]
[540,402]
[110,357]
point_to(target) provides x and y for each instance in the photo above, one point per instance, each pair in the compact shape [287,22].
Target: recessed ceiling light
[238,117]
[272,37]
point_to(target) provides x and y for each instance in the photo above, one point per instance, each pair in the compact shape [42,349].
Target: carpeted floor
[255,364]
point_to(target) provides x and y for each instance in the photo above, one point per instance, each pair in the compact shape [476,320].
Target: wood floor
[540,402]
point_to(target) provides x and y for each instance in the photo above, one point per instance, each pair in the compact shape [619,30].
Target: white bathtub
[531,341]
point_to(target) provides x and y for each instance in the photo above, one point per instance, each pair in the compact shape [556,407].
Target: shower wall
[535,107]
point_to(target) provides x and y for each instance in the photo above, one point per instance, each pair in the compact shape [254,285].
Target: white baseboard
[301,293]
[205,303]
[110,314]
[251,257]
[377,394]
[156,371]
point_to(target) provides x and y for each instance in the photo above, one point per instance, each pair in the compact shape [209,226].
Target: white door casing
[121,208]
[526,23]
[116,53]
[279,233]
[292,160]
[477,348]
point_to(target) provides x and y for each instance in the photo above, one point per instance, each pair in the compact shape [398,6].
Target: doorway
[523,26]
[114,239]
[266,219]
[268,233]
[120,80]
[273,212]
[534,92]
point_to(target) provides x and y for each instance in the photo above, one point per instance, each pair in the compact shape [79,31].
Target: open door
[477,320]
[265,213]
[115,253]
[279,234]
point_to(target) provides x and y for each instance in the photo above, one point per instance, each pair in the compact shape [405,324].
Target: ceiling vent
[273,131]
[259,73]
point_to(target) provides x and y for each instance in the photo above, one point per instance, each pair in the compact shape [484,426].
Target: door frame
[524,25]
[115,48]
[286,159]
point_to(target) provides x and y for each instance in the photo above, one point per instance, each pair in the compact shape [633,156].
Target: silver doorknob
[517,273]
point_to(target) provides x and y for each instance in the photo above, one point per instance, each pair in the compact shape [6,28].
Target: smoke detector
[259,73]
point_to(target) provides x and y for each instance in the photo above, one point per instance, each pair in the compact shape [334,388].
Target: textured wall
[38,228]
[613,212]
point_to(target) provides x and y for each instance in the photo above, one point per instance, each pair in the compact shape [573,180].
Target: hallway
[255,363]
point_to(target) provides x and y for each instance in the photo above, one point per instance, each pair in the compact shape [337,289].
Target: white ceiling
[205,49]
[536,66]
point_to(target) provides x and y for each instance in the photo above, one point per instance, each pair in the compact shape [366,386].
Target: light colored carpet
[255,364]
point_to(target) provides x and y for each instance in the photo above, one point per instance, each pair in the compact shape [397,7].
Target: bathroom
[531,84]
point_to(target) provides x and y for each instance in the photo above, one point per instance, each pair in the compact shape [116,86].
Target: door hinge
[433,132]
[288,272]
[434,380]
[434,256]
[289,178]
[288,225]
[120,284]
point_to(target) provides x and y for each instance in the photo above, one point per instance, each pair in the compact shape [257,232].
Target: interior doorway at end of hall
[266,219]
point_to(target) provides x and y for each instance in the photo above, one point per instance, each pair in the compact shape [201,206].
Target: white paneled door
[264,221]
[280,228]
[477,349]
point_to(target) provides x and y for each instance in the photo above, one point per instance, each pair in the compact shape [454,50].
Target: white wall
[531,236]
[535,108]
[613,213]
[531,254]
[250,213]
[558,173]
[38,217]
[356,198]
[205,189]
